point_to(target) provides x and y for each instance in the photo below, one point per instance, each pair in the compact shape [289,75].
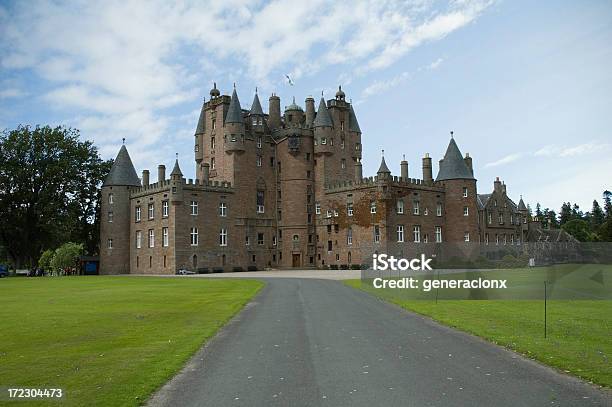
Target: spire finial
[339,87]
[383,153]
[294,100]
[255,89]
[234,85]
[404,157]
[321,93]
[452,133]
[176,154]
[123,140]
[214,85]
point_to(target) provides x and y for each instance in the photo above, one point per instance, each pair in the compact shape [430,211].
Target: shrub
[67,256]
[344,267]
[203,270]
[237,269]
[252,268]
[355,266]
[333,266]
[45,259]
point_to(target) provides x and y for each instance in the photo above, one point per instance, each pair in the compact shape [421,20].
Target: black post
[545,309]
[437,287]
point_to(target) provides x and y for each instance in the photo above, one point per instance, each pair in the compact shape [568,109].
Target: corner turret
[234,126]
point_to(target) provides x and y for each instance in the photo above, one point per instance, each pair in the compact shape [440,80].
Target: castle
[287,191]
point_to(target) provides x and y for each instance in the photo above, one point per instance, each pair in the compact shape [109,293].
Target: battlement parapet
[369,182]
[191,184]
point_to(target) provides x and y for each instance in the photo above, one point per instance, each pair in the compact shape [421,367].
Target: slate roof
[353,124]
[201,122]
[452,165]
[256,106]
[483,199]
[521,205]
[293,106]
[383,167]
[234,112]
[323,118]
[122,172]
[176,170]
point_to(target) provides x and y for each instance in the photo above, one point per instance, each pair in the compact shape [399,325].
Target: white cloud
[435,64]
[123,65]
[552,150]
[505,160]
[381,85]
[11,93]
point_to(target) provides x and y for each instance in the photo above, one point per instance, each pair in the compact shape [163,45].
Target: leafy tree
[49,193]
[576,212]
[605,231]
[67,256]
[45,259]
[607,197]
[596,216]
[552,218]
[579,229]
[566,213]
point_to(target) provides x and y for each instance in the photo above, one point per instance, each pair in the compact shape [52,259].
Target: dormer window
[254,121]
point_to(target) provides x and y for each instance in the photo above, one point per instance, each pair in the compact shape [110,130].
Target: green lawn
[108,340]
[579,339]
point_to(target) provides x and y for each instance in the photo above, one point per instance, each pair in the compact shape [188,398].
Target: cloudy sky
[525,86]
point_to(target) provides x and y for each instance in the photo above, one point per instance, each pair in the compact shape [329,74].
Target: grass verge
[578,331]
[108,340]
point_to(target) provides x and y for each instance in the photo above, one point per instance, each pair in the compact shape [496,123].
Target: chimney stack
[205,173]
[161,173]
[404,169]
[427,169]
[497,185]
[145,178]
[310,110]
[358,171]
[274,117]
[468,162]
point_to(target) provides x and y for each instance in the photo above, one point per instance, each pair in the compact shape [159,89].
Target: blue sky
[525,86]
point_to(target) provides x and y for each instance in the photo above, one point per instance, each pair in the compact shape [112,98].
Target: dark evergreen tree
[596,216]
[566,213]
[607,197]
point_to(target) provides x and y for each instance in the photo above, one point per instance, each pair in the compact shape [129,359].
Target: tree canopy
[49,191]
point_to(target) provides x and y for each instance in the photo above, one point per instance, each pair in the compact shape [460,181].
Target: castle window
[512,238]
[222,209]
[466,211]
[342,143]
[214,124]
[425,238]
[505,239]
[307,156]
[110,217]
[318,208]
[137,262]
[465,192]
[343,163]
[280,215]
[165,209]
[309,218]
[496,239]
[416,234]
[511,219]
[151,238]
[233,137]
[438,234]
[308,174]
[296,238]
[415,208]
[194,207]
[426,212]
[212,143]
[373,207]
[151,211]
[110,243]
[486,238]
[400,206]
[466,237]
[259,142]
[349,236]
[323,141]
[336,228]
[212,163]
[194,236]
[329,213]
[316,142]
[331,141]
[400,233]
[349,209]
[274,240]
[260,239]
[138,212]
[164,237]
[290,117]
[341,124]
[223,237]
[110,199]
[247,240]
[329,246]
[376,234]
[196,148]
[254,121]
[271,161]
[489,218]
[439,209]
[501,218]
[328,228]
[259,161]
[138,239]
[260,121]
[260,202]
[335,213]
[357,146]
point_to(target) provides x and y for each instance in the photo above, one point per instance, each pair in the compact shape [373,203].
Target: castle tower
[199,139]
[310,111]
[257,115]
[115,242]
[460,197]
[234,126]
[294,115]
[274,115]
[524,212]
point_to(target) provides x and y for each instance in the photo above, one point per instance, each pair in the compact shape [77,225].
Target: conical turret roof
[234,112]
[323,118]
[176,170]
[353,124]
[122,172]
[256,106]
[452,165]
[293,106]
[201,122]
[521,205]
[383,167]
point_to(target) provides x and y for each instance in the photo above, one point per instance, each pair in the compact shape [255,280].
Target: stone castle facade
[286,190]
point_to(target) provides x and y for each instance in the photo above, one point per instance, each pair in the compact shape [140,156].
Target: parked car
[3,271]
[184,272]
